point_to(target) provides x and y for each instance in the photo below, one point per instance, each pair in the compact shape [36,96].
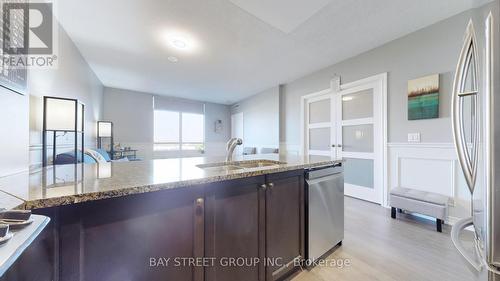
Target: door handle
[199,241]
[468,56]
[456,229]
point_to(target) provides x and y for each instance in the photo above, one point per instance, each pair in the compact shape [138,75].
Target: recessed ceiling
[239,51]
[285,15]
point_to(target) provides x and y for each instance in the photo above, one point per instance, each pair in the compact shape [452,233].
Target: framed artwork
[423,97]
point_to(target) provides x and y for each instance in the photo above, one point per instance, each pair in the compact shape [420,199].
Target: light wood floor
[380,248]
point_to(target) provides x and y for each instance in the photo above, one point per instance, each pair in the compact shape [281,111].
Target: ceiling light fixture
[180,41]
[173,59]
[347,98]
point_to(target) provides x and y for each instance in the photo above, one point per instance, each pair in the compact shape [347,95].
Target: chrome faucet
[231,145]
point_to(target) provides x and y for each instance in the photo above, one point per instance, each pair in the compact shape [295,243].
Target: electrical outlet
[414,137]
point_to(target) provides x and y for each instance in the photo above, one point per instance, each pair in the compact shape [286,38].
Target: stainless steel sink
[223,168]
[256,164]
[238,165]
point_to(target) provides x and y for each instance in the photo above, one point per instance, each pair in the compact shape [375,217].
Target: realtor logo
[27,28]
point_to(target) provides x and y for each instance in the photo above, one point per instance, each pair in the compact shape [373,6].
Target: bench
[422,202]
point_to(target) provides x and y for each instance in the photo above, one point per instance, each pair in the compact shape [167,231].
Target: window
[178,130]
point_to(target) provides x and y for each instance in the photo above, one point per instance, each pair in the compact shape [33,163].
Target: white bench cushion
[427,203]
[419,195]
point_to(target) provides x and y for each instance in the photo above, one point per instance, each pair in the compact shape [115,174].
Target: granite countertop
[20,241]
[55,185]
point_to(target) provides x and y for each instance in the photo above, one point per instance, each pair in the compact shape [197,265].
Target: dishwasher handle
[324,172]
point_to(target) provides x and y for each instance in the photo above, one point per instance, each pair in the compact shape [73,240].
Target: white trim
[318,98]
[304,118]
[382,77]
[385,153]
[320,152]
[358,155]
[355,122]
[443,145]
[316,94]
[360,192]
[319,125]
[380,156]
[39,146]
[442,173]
[335,91]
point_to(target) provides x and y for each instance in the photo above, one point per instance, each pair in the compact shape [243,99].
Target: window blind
[178,104]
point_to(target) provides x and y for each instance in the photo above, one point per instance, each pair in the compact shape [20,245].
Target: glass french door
[359,139]
[319,120]
[349,124]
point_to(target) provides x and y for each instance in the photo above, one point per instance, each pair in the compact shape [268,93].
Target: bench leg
[393,212]
[439,227]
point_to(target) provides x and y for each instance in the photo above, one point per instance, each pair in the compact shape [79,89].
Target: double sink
[238,165]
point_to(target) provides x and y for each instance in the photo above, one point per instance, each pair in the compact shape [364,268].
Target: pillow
[69,158]
[96,155]
[104,154]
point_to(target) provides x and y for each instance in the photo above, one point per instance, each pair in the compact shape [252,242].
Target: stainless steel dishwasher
[324,210]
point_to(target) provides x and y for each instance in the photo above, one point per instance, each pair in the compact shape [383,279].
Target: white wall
[431,167]
[132,115]
[73,78]
[14,132]
[21,116]
[261,119]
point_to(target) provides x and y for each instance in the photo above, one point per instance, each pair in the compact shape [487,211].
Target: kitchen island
[169,219]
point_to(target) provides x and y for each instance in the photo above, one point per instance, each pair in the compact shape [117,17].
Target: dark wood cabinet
[259,218]
[246,229]
[284,223]
[136,237]
[128,242]
[234,230]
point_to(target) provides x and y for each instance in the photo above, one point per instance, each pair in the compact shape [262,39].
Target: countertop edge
[41,222]
[141,189]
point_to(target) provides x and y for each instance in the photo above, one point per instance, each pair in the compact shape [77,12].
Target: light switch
[414,137]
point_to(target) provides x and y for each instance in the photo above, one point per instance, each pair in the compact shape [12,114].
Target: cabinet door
[284,223]
[130,238]
[234,215]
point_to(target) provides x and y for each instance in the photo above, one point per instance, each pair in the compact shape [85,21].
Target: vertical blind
[178,104]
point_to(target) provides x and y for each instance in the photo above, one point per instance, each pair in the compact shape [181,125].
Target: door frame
[335,88]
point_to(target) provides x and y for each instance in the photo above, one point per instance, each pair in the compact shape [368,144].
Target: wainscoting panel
[430,167]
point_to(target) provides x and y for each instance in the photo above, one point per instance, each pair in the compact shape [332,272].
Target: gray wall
[261,120]
[132,115]
[214,112]
[434,49]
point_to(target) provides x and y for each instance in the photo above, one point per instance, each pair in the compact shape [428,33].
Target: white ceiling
[285,15]
[242,46]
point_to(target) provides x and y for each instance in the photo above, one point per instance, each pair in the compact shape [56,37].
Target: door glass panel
[319,139]
[359,172]
[357,105]
[357,138]
[319,111]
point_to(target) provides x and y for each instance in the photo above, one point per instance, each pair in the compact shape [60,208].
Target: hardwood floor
[381,248]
